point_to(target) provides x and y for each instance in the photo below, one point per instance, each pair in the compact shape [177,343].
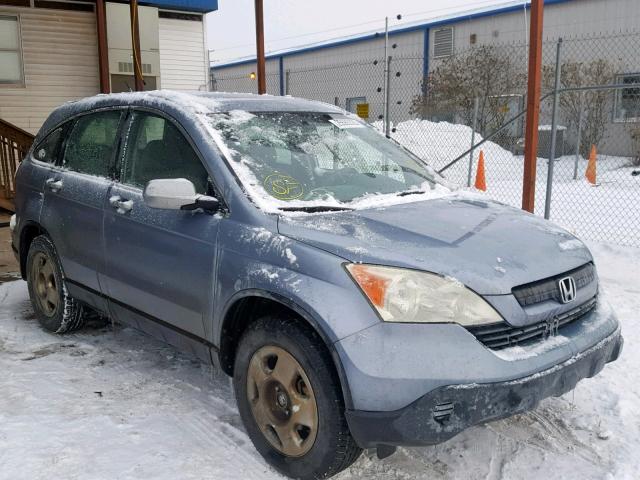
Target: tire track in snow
[199,416]
[208,430]
[564,437]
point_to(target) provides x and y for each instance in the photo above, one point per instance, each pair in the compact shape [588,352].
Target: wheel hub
[45,284]
[282,399]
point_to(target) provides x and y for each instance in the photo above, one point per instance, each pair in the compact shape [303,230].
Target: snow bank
[438,143]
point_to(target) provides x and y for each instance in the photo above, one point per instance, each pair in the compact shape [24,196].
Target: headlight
[402,295]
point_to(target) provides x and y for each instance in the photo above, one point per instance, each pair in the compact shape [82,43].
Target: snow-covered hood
[488,246]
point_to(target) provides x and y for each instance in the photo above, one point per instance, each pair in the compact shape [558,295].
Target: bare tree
[593,105]
[487,72]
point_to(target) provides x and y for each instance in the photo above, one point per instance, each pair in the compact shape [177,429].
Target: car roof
[188,103]
[196,102]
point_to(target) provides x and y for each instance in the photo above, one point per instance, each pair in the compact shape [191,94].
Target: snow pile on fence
[440,142]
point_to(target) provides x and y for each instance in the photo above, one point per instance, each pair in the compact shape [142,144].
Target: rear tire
[55,309]
[317,449]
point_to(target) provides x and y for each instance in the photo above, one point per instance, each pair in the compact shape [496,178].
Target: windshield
[298,160]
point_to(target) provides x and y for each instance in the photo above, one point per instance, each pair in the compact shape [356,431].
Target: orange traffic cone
[481,182]
[591,167]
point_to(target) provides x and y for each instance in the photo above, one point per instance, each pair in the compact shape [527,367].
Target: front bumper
[446,411]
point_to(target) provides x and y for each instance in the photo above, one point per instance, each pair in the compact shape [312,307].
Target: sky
[290,23]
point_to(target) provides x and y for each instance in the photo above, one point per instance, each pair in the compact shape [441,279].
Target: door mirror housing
[176,194]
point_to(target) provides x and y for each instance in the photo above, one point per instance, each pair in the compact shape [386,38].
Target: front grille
[502,335]
[547,289]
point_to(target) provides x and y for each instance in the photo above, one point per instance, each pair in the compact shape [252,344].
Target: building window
[443,42]
[627,104]
[10,51]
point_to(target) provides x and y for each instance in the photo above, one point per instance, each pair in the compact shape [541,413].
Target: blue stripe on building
[200,6]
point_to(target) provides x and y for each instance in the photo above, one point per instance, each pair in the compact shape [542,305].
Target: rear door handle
[53,184]
[121,206]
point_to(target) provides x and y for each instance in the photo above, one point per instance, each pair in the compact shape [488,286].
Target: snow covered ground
[107,403]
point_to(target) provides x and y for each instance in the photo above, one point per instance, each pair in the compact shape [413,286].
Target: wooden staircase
[14,145]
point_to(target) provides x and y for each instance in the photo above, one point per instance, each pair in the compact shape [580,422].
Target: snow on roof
[189,103]
[506,7]
[200,102]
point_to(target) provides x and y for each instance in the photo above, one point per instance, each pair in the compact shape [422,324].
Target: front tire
[55,309]
[290,400]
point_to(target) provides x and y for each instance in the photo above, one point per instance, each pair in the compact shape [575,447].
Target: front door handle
[121,206]
[54,185]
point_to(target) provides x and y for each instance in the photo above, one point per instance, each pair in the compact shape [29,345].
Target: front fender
[310,319]
[260,260]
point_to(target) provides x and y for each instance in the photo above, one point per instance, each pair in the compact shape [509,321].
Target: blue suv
[354,297]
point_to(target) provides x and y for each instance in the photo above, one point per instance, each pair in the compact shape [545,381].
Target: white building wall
[333,75]
[357,70]
[238,78]
[183,58]
[574,18]
[60,57]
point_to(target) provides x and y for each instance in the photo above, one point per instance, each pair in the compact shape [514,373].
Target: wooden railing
[14,145]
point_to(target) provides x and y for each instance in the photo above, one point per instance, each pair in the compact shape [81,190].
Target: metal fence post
[579,140]
[281,74]
[387,109]
[385,78]
[476,107]
[554,127]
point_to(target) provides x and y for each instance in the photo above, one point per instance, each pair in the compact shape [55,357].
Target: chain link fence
[451,109]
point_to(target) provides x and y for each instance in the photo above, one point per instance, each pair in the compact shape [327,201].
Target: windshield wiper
[315,209]
[410,192]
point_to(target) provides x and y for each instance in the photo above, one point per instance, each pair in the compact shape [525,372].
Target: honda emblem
[567,289]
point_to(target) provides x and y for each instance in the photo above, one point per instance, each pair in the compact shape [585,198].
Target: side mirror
[176,194]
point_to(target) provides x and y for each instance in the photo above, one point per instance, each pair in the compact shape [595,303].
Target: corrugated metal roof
[407,27]
[201,6]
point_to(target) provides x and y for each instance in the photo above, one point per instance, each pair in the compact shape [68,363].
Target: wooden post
[135,43]
[262,81]
[533,106]
[103,52]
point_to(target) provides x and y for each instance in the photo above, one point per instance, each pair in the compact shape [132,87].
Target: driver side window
[157,149]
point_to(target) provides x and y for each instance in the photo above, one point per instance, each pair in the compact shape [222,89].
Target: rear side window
[47,149]
[157,149]
[91,144]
